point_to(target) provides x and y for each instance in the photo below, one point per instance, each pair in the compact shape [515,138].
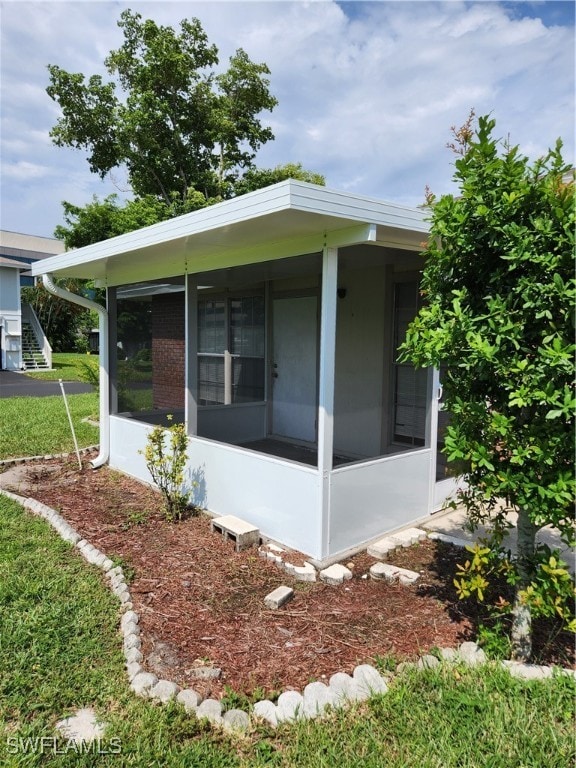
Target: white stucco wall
[281,498]
[369,499]
[10,319]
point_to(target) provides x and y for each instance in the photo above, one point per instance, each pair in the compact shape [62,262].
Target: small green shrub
[165,455]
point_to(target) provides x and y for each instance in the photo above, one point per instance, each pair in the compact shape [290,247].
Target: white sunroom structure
[270,324]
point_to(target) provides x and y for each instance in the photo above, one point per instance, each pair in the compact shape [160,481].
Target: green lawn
[35,426]
[60,650]
[69,366]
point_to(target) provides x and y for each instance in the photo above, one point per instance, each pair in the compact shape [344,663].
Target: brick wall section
[168,350]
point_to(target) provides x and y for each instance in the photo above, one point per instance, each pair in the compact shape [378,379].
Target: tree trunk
[521,635]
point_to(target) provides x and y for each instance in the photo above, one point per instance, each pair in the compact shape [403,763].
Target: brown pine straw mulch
[202,603]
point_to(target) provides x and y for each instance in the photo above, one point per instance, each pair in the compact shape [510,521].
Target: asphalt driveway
[19,385]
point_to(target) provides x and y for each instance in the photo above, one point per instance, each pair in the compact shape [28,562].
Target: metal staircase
[33,359]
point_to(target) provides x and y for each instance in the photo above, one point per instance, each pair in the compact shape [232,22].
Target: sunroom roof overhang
[287,219]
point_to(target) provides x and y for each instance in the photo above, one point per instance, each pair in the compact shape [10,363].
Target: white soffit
[288,218]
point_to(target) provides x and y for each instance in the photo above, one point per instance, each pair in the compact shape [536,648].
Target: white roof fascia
[284,196]
[13,264]
[35,244]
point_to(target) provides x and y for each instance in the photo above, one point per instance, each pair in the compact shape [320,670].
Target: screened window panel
[244,337]
[248,379]
[247,326]
[212,327]
[410,384]
[410,405]
[210,379]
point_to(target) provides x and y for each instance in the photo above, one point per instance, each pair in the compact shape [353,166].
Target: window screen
[410,384]
[236,326]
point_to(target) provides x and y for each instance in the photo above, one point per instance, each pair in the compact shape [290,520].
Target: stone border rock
[273,552]
[47,457]
[341,690]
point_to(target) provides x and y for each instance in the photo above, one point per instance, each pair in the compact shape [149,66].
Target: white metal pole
[71,424]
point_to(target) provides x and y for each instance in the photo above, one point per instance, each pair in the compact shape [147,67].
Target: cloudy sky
[367,90]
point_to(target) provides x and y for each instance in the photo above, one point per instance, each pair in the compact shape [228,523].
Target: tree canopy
[101,219]
[186,134]
[166,116]
[499,295]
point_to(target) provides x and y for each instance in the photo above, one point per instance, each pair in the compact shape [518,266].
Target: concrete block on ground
[527,671]
[131,628]
[290,706]
[133,668]
[189,699]
[278,597]
[428,662]
[317,696]
[206,673]
[408,536]
[70,536]
[335,574]
[164,691]
[211,709]
[267,711]
[392,573]
[142,683]
[124,597]
[133,655]
[449,654]
[129,616]
[456,542]
[471,653]
[235,720]
[81,727]
[344,689]
[230,527]
[369,679]
[132,641]
[382,548]
[305,572]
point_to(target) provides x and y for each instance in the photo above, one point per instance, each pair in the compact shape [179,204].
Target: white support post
[432,431]
[326,381]
[327,359]
[191,356]
[227,377]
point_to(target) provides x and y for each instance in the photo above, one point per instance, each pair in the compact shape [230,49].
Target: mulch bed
[200,602]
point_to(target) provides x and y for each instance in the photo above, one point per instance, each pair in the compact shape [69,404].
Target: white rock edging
[342,689]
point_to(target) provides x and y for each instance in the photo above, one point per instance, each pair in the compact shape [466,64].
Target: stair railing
[29,316]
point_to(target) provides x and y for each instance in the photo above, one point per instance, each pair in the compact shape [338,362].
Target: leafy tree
[187,136]
[102,219]
[499,294]
[176,125]
[257,178]
[66,325]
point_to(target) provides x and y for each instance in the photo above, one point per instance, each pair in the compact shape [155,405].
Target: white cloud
[24,171]
[367,91]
